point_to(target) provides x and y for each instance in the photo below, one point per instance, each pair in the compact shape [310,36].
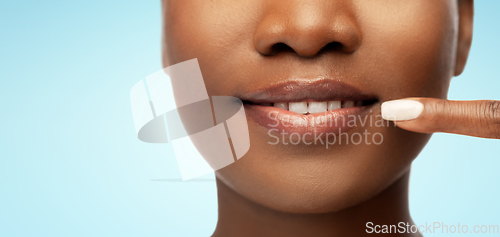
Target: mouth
[312,106]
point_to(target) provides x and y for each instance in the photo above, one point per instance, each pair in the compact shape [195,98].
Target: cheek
[209,30]
[218,33]
[413,46]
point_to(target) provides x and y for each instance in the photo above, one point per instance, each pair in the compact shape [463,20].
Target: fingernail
[400,110]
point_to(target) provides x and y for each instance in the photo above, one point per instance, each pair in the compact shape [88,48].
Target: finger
[479,118]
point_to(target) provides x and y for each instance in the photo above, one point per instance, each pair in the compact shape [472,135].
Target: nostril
[333,46]
[279,48]
[282,48]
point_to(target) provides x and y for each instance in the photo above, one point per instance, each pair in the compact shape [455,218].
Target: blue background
[70,162]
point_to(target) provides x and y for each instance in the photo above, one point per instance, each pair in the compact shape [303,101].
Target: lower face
[401,49]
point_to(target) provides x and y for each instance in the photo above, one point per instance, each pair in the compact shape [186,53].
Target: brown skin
[391,49]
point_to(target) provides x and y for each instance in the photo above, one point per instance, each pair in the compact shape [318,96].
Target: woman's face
[277,52]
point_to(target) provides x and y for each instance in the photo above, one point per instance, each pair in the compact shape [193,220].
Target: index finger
[479,118]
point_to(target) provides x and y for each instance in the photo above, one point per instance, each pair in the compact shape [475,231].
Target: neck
[239,216]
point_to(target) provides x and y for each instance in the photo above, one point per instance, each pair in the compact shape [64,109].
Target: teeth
[332,105]
[281,105]
[317,107]
[348,104]
[298,107]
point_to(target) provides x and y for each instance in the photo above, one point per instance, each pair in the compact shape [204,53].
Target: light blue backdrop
[70,163]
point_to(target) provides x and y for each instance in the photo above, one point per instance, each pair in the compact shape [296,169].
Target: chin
[312,179]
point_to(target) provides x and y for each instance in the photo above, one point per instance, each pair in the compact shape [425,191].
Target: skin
[391,49]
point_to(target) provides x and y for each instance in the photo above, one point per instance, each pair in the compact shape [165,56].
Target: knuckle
[492,112]
[492,116]
[441,108]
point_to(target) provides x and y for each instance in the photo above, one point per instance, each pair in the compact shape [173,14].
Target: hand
[480,118]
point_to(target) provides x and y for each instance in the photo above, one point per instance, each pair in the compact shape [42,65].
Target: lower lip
[280,120]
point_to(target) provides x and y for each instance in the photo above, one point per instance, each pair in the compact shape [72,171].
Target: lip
[330,122]
[307,90]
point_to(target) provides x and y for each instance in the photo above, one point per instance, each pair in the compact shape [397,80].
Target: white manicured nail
[400,110]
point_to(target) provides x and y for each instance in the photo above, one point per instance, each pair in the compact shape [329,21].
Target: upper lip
[308,90]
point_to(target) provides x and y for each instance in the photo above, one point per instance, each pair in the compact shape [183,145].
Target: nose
[307,28]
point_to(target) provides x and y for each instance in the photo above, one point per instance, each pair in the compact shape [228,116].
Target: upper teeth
[316,107]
